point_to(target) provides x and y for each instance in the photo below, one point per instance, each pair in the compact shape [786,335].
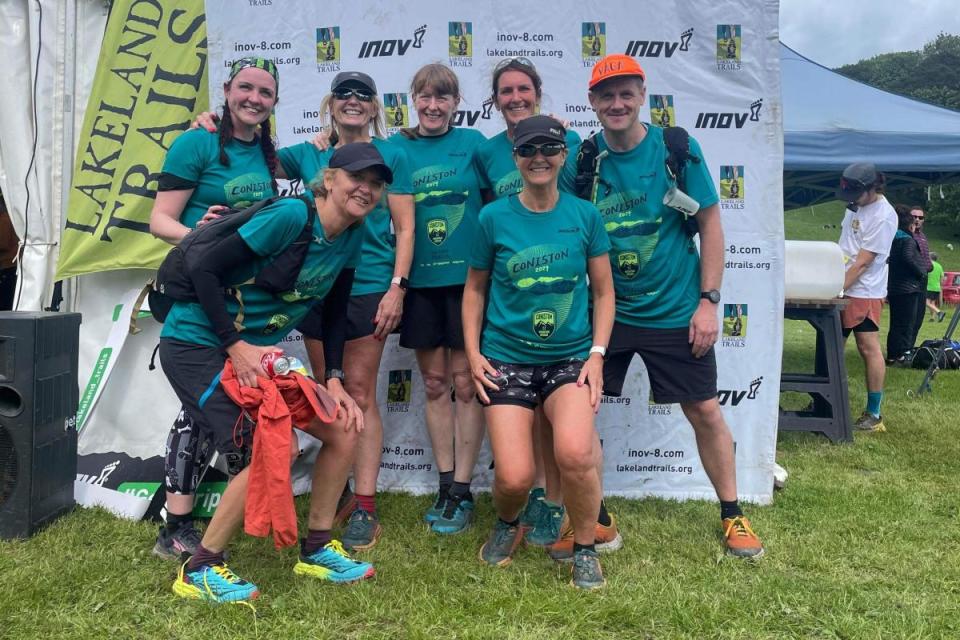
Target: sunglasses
[547,149]
[852,185]
[361,94]
[508,61]
[917,217]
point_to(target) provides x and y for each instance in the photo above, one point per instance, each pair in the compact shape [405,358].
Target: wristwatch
[334,373]
[712,295]
[401,282]
[599,348]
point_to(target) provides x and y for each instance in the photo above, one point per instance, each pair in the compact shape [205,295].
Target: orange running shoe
[741,541]
[606,539]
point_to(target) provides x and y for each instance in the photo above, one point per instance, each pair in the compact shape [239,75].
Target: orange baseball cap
[615,65]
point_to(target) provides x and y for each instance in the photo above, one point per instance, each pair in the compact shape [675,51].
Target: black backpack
[677,142]
[173,282]
[946,355]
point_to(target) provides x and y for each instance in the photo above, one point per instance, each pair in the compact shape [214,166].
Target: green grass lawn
[861,543]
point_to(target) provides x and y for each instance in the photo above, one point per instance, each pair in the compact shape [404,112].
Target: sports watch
[712,295]
[334,373]
[401,282]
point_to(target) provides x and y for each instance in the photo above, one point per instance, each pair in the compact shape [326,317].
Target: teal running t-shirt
[656,267]
[537,312]
[268,318]
[305,161]
[446,187]
[194,158]
[495,158]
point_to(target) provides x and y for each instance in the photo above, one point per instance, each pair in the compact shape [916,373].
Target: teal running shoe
[332,563]
[363,531]
[531,513]
[436,511]
[456,517]
[546,531]
[215,583]
[587,573]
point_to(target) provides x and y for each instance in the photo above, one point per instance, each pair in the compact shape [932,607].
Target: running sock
[446,481]
[367,503]
[204,556]
[316,538]
[730,509]
[873,402]
[603,518]
[514,523]
[175,521]
[584,547]
[461,491]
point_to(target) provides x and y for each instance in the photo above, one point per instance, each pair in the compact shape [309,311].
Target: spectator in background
[905,288]
[916,211]
[866,234]
[9,247]
[935,289]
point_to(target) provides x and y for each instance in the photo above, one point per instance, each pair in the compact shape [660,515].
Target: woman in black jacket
[906,285]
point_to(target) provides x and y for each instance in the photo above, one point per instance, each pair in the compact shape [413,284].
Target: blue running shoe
[546,530]
[332,563]
[436,511]
[456,516]
[215,583]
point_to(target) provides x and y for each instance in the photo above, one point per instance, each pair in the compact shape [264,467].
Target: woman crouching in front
[197,338]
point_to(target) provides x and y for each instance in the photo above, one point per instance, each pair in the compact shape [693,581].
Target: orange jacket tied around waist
[278,405]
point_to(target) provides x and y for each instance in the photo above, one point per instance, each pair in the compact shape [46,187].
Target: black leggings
[903,319]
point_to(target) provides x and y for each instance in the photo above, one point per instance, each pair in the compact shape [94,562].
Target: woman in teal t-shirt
[446,186]
[198,338]
[517,92]
[203,174]
[530,343]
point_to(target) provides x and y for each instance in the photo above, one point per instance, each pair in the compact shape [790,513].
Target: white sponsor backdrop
[728,97]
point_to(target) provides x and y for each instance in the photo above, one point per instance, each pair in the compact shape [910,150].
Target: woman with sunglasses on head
[232,165]
[197,338]
[447,188]
[530,342]
[352,112]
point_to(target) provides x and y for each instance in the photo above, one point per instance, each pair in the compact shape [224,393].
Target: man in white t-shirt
[869,225]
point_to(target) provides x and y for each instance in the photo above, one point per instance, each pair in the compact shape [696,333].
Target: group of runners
[523,302]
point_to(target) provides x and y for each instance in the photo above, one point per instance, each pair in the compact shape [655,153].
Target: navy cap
[358,156]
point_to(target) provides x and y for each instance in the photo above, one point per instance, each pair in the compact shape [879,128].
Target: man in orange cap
[666,293]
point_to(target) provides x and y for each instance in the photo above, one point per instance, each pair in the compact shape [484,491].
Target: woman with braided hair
[204,174]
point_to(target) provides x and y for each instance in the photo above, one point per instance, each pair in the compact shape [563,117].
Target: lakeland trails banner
[151,79]
[711,69]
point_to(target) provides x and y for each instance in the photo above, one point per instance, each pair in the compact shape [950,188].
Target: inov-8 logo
[384,48]
[708,120]
[656,48]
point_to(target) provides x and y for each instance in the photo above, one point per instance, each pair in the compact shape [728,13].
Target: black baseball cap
[857,178]
[353,79]
[539,129]
[358,156]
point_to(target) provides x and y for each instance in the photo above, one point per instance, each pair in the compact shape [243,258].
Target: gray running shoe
[171,546]
[503,541]
[587,573]
[869,422]
[363,531]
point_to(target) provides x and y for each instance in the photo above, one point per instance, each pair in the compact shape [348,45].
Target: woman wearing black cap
[233,165]
[195,337]
[352,112]
[531,343]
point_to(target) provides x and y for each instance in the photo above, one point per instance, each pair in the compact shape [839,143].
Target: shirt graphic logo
[628,263]
[437,230]
[544,323]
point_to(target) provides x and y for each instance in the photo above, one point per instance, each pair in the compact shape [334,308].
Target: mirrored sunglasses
[547,149]
[345,94]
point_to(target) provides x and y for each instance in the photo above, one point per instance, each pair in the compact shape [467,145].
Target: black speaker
[38,409]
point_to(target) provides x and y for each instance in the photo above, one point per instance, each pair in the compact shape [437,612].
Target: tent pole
[68,115]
